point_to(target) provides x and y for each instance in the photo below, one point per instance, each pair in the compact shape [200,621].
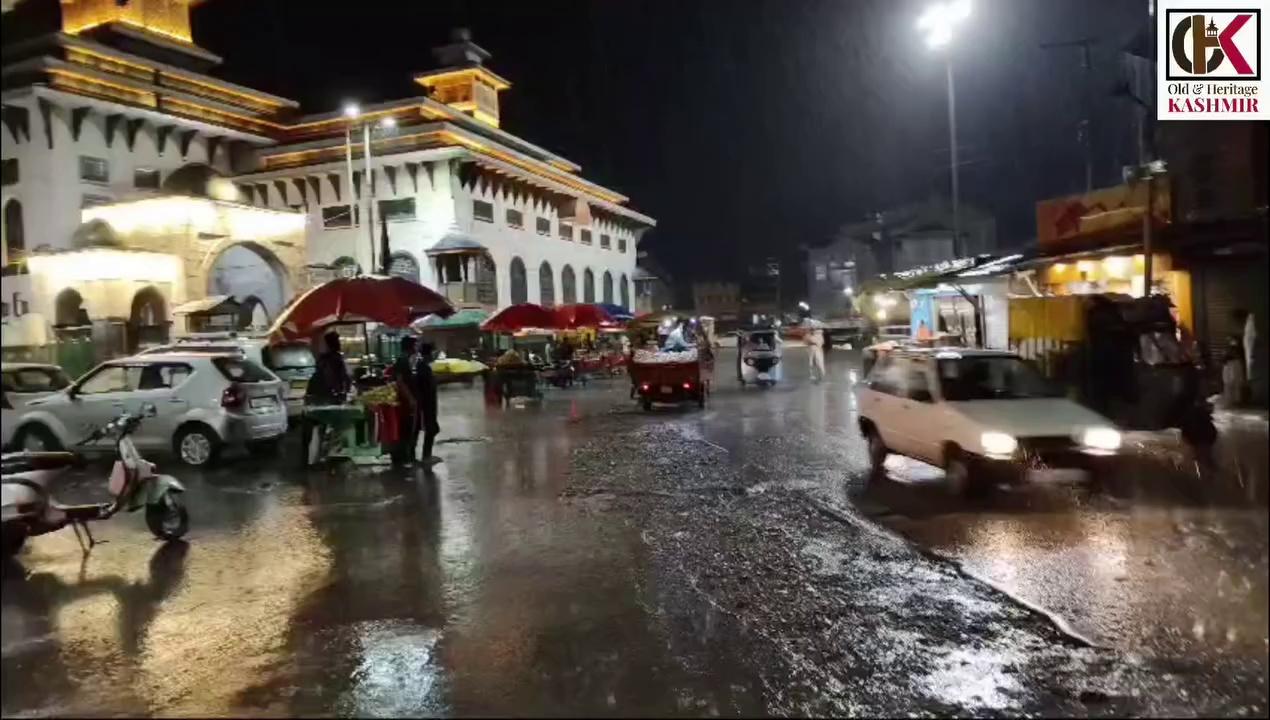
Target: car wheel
[877,455]
[197,445]
[961,475]
[36,438]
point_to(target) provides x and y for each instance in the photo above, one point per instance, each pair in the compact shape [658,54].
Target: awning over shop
[210,305]
[460,319]
[456,242]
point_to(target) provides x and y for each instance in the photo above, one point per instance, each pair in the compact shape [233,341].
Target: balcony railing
[461,293]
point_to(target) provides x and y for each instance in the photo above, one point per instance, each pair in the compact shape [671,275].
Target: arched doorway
[607,287]
[568,286]
[520,286]
[546,285]
[624,289]
[14,232]
[588,286]
[69,309]
[253,315]
[247,270]
[148,321]
[403,265]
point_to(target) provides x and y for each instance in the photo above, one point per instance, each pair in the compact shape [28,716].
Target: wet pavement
[583,557]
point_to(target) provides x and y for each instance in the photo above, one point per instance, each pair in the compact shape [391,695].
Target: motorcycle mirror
[149,410]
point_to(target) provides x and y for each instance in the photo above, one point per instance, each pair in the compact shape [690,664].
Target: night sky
[746,127]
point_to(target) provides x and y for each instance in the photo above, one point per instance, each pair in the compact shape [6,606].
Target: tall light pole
[353,113]
[937,24]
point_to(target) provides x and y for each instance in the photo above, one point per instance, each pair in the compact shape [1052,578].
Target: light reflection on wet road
[473,590]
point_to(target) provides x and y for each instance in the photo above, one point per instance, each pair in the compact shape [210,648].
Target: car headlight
[998,443]
[1101,438]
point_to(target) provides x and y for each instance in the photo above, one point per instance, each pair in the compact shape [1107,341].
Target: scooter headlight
[1101,438]
[998,443]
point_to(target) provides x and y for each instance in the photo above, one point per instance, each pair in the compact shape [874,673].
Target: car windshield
[290,357]
[242,370]
[1000,377]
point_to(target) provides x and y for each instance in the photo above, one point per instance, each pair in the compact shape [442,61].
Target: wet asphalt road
[584,557]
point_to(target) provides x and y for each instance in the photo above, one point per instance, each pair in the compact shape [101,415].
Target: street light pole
[938,23]
[369,195]
[352,112]
[953,165]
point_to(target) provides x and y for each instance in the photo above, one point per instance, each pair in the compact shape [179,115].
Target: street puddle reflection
[397,674]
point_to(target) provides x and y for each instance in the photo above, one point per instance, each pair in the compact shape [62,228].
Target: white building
[115,120]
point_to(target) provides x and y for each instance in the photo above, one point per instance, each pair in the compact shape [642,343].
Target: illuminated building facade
[115,121]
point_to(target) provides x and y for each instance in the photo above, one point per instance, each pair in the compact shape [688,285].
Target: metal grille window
[9,176]
[515,218]
[483,211]
[621,244]
[586,237]
[606,242]
[145,178]
[566,232]
[337,216]
[544,226]
[397,210]
[94,169]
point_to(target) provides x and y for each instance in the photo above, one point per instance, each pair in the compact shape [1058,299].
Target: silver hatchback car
[204,402]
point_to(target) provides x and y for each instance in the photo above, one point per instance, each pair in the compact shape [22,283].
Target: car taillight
[233,397]
[687,386]
[644,386]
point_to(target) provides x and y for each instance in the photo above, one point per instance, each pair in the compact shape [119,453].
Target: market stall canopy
[522,316]
[210,305]
[392,301]
[655,318]
[581,315]
[463,318]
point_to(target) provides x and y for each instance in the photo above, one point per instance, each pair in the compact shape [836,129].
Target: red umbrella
[392,301]
[520,317]
[582,315]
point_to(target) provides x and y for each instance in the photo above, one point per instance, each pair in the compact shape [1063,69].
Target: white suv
[204,401]
[292,362]
[983,416]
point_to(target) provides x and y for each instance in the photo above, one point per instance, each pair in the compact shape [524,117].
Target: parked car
[293,362]
[22,383]
[204,402]
[984,416]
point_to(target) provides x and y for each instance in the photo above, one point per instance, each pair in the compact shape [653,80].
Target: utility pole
[1086,135]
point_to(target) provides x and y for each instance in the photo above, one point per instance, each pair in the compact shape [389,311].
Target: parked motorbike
[29,508]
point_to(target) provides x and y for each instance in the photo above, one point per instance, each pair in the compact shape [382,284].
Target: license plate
[666,390]
[299,384]
[262,402]
[764,376]
[1056,476]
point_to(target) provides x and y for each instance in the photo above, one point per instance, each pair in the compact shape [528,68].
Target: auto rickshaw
[758,356]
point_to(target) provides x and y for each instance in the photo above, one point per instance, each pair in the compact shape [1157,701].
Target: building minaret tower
[463,82]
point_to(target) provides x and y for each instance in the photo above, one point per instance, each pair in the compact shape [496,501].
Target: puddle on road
[397,675]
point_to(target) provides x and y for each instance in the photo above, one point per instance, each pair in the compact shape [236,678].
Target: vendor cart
[515,381]
[670,382]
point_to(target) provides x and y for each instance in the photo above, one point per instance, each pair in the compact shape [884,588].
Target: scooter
[29,509]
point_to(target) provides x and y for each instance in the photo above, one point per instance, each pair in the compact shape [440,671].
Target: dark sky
[746,127]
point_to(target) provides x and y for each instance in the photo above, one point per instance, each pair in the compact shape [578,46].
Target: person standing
[815,349]
[403,377]
[426,395]
[329,385]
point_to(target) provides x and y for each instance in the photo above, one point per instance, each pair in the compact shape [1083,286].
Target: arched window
[520,288]
[588,286]
[607,287]
[568,286]
[546,285]
[624,289]
[403,265]
[14,234]
[148,323]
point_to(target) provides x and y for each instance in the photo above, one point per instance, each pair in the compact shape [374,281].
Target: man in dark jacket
[426,396]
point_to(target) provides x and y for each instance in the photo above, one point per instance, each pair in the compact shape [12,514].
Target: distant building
[134,182]
[761,289]
[653,286]
[898,239]
[719,300]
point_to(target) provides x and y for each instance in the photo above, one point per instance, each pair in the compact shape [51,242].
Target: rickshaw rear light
[644,386]
[687,386]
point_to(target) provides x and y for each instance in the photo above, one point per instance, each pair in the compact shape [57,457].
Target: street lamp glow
[351,110]
[940,19]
